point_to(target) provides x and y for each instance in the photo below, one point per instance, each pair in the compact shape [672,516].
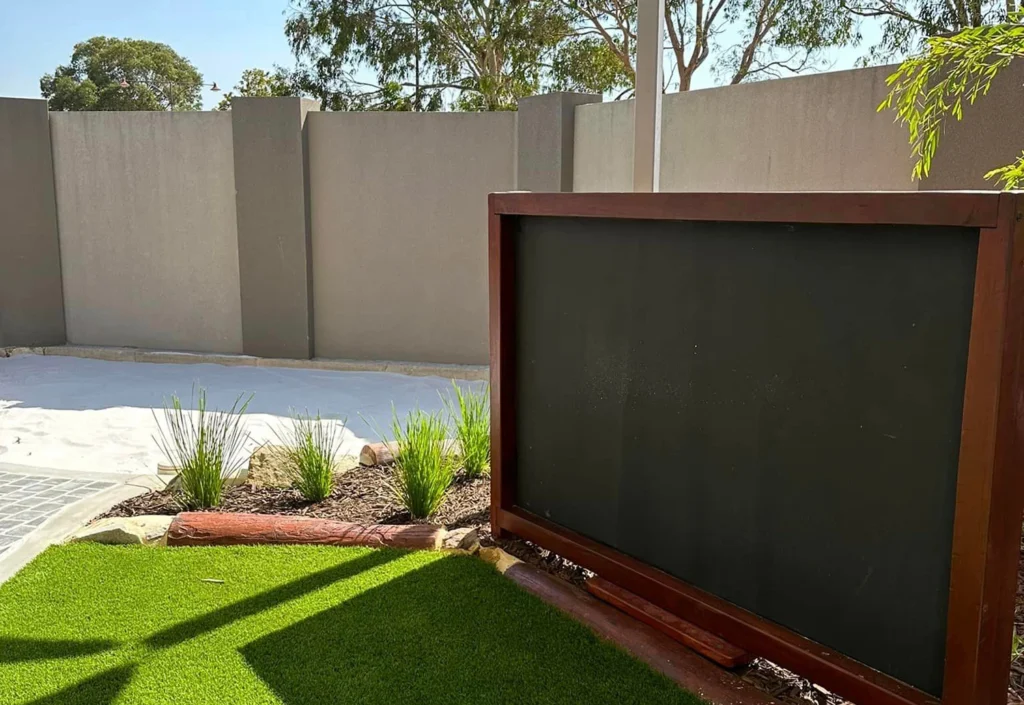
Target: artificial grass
[96,625]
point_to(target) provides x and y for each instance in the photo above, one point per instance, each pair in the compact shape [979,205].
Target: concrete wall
[399,214]
[989,137]
[603,154]
[818,132]
[280,232]
[545,127]
[146,205]
[274,234]
[31,304]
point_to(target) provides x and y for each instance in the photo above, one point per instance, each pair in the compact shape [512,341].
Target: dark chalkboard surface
[768,412]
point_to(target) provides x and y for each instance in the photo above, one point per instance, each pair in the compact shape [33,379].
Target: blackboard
[768,412]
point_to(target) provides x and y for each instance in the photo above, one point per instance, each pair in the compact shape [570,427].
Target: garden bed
[363,495]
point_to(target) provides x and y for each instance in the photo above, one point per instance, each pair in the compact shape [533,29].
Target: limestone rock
[269,466]
[498,558]
[148,530]
[464,539]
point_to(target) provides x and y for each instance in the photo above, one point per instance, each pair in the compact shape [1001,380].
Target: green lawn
[93,625]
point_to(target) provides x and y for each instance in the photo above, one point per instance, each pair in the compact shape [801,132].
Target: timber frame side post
[990,474]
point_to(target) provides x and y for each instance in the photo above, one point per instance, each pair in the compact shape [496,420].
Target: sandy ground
[98,416]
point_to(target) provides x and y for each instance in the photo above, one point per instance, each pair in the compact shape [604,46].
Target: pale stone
[150,530]
[498,558]
[93,352]
[464,539]
[11,352]
[270,466]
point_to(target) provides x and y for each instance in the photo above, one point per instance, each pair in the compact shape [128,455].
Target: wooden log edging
[229,529]
[679,663]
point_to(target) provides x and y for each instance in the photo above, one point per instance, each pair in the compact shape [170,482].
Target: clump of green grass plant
[423,471]
[204,446]
[471,416]
[312,450]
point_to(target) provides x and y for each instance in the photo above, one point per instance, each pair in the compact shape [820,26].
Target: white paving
[85,415]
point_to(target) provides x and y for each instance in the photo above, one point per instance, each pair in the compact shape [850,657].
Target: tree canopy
[907,24]
[259,83]
[106,73]
[423,54]
[485,54]
[740,40]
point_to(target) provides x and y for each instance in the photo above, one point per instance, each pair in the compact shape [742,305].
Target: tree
[907,24]
[423,54]
[257,83]
[107,73]
[930,88]
[744,40]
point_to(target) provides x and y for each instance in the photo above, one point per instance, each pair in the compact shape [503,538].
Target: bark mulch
[363,495]
[1016,690]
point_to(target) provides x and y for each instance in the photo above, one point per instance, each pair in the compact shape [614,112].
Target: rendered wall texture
[812,133]
[31,303]
[399,214]
[146,205]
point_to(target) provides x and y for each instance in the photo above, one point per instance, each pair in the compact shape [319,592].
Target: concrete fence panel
[399,216]
[603,154]
[146,205]
[31,304]
[811,133]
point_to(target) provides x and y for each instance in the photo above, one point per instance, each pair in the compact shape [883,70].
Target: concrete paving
[42,506]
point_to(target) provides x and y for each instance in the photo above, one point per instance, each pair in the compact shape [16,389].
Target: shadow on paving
[449,633]
[101,689]
[183,631]
[15,650]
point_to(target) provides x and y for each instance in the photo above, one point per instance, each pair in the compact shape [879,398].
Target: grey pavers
[27,501]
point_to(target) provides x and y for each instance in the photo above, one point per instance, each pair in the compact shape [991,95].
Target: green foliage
[312,447]
[257,83]
[423,471]
[952,73]
[772,38]
[424,54]
[470,411]
[157,78]
[204,446]
[590,64]
[907,24]
[1017,646]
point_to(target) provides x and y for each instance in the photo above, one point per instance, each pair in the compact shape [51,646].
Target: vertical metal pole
[650,32]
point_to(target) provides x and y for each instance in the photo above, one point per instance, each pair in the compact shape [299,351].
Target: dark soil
[362,495]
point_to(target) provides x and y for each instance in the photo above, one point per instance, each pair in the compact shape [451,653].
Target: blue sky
[221,37]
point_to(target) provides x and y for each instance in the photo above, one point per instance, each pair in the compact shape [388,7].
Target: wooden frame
[990,480]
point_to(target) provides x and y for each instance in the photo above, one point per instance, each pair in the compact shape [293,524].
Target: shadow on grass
[450,632]
[14,650]
[183,631]
[98,690]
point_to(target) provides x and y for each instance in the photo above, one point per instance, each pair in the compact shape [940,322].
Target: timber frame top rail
[990,475]
[974,209]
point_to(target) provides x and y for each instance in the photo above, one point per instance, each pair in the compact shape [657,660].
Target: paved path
[27,501]
[41,506]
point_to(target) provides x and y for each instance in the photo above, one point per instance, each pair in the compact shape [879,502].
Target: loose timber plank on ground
[703,642]
[684,666]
